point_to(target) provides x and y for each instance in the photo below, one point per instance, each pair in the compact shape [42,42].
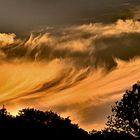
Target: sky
[76,58]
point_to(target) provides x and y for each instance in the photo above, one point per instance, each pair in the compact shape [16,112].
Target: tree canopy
[40,124]
[126,113]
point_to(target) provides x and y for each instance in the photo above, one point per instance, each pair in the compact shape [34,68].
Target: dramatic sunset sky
[75,57]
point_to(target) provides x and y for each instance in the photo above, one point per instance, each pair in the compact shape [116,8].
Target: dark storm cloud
[18,15]
[124,47]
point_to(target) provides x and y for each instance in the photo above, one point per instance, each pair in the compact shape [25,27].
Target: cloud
[86,43]
[121,26]
[88,102]
[65,69]
[7,39]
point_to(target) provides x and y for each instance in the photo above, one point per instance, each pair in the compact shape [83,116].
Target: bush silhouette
[126,113]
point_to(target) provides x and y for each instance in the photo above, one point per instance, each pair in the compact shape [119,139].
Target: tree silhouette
[37,124]
[126,113]
[6,120]
[105,134]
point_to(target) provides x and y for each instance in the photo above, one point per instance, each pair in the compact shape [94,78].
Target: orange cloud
[7,39]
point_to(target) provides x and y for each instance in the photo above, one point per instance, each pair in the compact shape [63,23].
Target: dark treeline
[30,123]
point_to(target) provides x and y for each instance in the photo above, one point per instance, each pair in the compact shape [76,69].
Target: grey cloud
[124,47]
[26,15]
[101,54]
